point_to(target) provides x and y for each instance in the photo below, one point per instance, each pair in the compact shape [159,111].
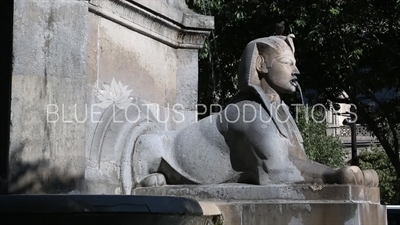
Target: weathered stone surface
[46,149]
[171,24]
[178,11]
[241,213]
[64,51]
[113,140]
[272,193]
[46,135]
[149,68]
[50,38]
[242,204]
[187,78]
[155,53]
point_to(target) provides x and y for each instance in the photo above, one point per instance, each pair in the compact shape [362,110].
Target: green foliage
[319,147]
[378,160]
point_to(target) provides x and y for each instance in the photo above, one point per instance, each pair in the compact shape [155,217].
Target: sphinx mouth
[294,81]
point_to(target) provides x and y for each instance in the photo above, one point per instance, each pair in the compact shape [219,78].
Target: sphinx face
[282,74]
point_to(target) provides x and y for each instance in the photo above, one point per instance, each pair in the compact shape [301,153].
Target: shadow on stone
[37,177]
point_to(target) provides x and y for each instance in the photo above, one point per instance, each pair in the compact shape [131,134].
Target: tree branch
[393,157]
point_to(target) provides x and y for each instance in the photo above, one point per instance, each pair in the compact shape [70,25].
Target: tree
[355,45]
[320,147]
[347,47]
[378,160]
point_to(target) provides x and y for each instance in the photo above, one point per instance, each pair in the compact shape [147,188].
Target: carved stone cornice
[161,22]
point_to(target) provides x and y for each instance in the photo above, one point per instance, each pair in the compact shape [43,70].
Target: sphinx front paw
[350,175]
[153,180]
[371,178]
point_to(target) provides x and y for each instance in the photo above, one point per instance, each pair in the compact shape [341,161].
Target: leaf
[124,88]
[101,97]
[125,95]
[115,90]
[105,104]
[123,105]
[312,33]
[334,11]
[107,88]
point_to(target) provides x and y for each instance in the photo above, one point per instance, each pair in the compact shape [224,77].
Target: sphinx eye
[287,62]
[290,63]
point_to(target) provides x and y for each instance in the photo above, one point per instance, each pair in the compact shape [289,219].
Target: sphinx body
[253,140]
[230,146]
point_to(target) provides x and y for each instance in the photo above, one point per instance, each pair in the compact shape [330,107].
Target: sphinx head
[276,63]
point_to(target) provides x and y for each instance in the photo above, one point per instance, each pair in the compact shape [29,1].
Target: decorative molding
[109,161]
[150,23]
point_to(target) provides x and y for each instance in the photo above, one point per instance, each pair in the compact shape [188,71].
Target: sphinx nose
[296,71]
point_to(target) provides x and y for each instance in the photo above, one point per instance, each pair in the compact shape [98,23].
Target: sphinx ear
[261,65]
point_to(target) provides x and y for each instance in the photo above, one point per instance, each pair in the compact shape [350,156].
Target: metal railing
[345,131]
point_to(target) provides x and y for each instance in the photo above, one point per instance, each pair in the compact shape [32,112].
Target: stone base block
[285,204]
[256,193]
[104,210]
[307,212]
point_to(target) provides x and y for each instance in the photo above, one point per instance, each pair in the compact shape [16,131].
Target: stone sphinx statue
[253,140]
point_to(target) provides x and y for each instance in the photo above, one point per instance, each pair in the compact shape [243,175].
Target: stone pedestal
[285,204]
[104,209]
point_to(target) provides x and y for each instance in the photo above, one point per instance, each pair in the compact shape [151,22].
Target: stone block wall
[49,50]
[66,52]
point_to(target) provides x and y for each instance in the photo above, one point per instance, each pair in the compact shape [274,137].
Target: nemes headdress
[248,79]
[270,46]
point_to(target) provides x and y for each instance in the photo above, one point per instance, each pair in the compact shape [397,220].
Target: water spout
[301,93]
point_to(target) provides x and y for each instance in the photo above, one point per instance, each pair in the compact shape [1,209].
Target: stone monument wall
[65,53]
[49,49]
